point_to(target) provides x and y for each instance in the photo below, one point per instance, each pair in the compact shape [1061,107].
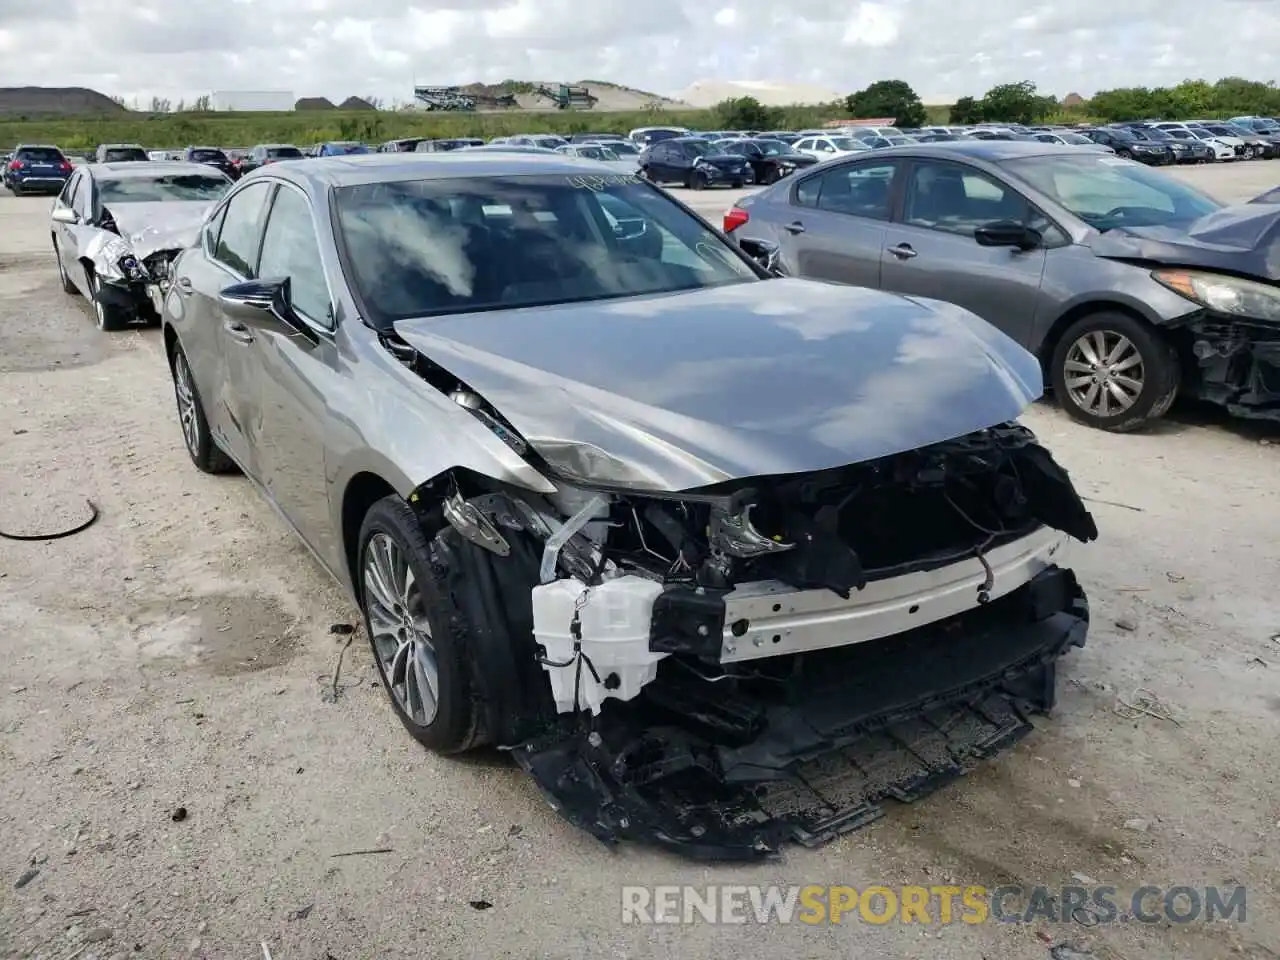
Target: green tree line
[165,127]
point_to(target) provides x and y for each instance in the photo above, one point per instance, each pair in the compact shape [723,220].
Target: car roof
[992,151]
[36,146]
[147,169]
[358,169]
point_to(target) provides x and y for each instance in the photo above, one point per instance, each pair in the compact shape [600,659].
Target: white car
[1221,150]
[829,146]
[1224,147]
[601,154]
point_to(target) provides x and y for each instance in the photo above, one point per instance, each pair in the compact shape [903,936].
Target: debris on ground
[1124,623]
[480,904]
[362,853]
[34,537]
[1141,703]
[301,913]
[27,876]
[178,815]
[1136,824]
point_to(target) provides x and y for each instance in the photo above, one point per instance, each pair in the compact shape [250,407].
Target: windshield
[1073,138]
[284,153]
[205,156]
[773,148]
[123,154]
[549,143]
[623,149]
[700,148]
[426,247]
[348,148]
[1180,134]
[847,143]
[1109,192]
[1156,134]
[187,187]
[593,152]
[39,155]
[1221,131]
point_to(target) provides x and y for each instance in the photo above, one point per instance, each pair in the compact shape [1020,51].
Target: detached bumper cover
[693,766]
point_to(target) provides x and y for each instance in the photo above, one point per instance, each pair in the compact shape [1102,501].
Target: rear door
[833,227]
[218,349]
[930,250]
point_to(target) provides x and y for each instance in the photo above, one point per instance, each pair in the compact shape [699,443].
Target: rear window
[205,156]
[40,155]
[124,154]
[283,153]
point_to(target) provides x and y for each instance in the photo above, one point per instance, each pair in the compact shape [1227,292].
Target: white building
[243,100]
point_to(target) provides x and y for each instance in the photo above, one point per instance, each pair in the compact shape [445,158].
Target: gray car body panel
[684,390]
[1009,288]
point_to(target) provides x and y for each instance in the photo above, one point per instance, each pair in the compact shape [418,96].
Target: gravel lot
[178,654]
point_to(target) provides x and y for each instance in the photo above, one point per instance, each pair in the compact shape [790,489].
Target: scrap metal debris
[1144,703]
[480,904]
[363,853]
[34,537]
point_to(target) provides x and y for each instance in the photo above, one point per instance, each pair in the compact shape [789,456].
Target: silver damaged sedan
[686,538]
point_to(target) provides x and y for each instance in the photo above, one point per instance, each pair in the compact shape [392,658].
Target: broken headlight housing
[1222,293]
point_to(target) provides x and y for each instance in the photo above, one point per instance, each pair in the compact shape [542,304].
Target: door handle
[238,331]
[183,286]
[794,227]
[903,251]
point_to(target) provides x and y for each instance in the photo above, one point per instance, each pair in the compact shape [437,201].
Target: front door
[930,250]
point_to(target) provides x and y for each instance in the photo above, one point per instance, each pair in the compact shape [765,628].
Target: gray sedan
[116,227]
[1129,285]
[612,497]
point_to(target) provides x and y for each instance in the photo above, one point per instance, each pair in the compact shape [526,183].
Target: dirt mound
[314,103]
[356,103]
[55,101]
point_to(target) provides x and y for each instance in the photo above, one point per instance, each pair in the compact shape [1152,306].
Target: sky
[180,49]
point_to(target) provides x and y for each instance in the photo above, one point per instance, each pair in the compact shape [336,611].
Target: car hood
[1242,239]
[169,225]
[678,391]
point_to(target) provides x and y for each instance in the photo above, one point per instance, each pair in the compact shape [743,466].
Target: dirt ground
[178,780]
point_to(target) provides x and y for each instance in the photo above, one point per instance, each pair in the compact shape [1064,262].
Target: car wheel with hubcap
[1114,372]
[109,318]
[1248,153]
[202,449]
[417,632]
[67,285]
[697,180]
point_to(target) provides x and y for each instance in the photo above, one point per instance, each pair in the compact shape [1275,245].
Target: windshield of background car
[39,155]
[123,155]
[772,148]
[1073,138]
[550,143]
[1108,192]
[284,153]
[205,156]
[349,148]
[596,153]
[427,247]
[183,188]
[623,149]
[1221,131]
[847,143]
[699,148]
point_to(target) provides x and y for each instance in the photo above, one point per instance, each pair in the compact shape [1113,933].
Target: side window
[804,145]
[858,189]
[82,202]
[956,199]
[211,231]
[290,249]
[68,195]
[237,245]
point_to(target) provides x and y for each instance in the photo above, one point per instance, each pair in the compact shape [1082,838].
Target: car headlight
[1233,296]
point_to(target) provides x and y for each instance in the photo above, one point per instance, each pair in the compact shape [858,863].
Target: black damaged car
[694,163]
[770,160]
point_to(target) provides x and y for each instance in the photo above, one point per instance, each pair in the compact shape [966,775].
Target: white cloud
[336,48]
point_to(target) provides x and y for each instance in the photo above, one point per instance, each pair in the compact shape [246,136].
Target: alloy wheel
[399,629]
[184,390]
[1104,373]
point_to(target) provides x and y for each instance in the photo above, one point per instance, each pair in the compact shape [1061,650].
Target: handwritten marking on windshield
[597,183]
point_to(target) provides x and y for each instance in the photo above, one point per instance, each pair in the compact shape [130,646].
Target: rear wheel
[417,632]
[67,285]
[1114,372]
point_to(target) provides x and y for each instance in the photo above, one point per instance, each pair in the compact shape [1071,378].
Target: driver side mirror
[64,214]
[1007,233]
[265,305]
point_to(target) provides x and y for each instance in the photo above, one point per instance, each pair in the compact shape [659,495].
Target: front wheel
[109,317]
[202,449]
[1114,372]
[416,630]
[697,180]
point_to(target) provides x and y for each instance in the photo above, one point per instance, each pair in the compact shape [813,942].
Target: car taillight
[16,165]
[735,217]
[65,166]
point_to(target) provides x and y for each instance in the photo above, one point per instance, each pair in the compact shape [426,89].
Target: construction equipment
[569,97]
[444,98]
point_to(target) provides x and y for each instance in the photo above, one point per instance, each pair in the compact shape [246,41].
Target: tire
[697,181]
[15,190]
[1157,370]
[109,318]
[456,723]
[67,285]
[1127,154]
[201,447]
[1248,153]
